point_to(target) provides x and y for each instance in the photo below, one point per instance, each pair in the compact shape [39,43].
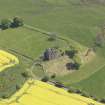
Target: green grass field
[67,18]
[7,88]
[27,45]
[27,42]
[94,85]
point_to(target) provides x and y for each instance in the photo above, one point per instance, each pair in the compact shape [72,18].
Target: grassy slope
[26,42]
[73,21]
[62,17]
[94,85]
[84,72]
[11,74]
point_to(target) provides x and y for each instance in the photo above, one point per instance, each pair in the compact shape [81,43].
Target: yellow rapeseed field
[7,60]
[35,92]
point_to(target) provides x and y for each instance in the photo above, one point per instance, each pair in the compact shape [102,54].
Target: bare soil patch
[58,66]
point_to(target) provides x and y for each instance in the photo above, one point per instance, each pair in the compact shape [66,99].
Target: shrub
[17,21]
[59,84]
[77,65]
[25,74]
[4,96]
[45,79]
[71,53]
[53,75]
[92,96]
[102,100]
[72,66]
[96,99]
[5,24]
[78,91]
[71,90]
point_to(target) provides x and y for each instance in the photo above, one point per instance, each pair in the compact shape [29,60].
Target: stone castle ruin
[51,53]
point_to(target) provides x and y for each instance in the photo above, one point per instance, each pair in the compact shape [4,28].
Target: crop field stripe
[67,95]
[74,98]
[7,60]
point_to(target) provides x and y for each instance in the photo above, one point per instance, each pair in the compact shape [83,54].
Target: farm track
[16,52]
[25,56]
[68,41]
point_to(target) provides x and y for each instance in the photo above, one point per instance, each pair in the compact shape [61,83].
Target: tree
[71,53]
[5,23]
[77,65]
[77,62]
[73,66]
[17,21]
[52,36]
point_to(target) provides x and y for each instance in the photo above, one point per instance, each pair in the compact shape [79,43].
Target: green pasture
[67,18]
